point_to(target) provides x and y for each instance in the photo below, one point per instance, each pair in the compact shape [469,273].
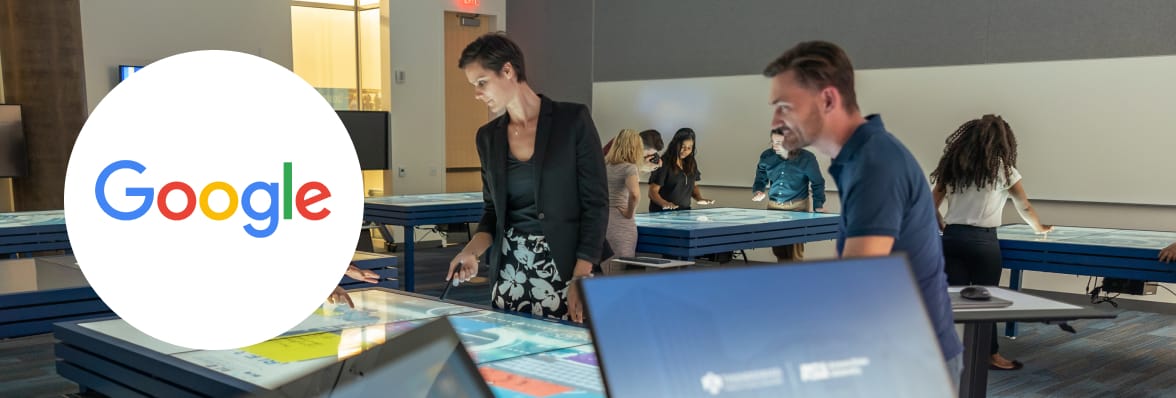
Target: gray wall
[660,39]
[556,37]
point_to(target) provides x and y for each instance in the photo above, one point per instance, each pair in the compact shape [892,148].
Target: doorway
[463,114]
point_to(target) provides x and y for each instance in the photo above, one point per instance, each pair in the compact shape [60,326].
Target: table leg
[1014,284]
[977,343]
[365,240]
[409,249]
[389,239]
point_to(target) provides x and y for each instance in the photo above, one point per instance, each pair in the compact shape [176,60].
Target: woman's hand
[468,267]
[340,296]
[362,275]
[575,307]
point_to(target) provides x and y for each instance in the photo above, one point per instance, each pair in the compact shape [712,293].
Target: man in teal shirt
[784,178]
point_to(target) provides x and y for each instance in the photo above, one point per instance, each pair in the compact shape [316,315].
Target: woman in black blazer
[544,184]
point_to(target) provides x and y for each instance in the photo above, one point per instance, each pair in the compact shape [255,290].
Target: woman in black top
[544,187]
[672,185]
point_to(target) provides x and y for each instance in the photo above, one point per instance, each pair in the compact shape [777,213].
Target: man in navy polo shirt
[886,203]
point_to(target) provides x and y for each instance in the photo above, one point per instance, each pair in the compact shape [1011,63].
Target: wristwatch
[578,277]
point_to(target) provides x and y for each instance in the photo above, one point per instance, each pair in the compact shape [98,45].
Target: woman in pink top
[622,163]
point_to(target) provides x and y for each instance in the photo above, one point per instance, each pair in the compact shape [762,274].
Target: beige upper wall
[417,42]
[138,32]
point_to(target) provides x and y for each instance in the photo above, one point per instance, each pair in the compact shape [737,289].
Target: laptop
[847,328]
[429,361]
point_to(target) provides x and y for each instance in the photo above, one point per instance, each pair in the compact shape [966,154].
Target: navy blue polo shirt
[883,192]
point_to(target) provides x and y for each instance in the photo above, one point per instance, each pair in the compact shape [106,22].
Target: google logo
[131,194]
[308,194]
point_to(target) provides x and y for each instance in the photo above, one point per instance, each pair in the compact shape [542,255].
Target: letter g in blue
[100,191]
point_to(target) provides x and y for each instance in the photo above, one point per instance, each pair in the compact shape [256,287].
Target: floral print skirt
[528,281]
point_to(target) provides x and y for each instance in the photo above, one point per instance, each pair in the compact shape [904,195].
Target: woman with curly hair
[977,175]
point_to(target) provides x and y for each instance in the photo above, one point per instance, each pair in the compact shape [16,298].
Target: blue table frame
[116,367]
[31,231]
[1100,252]
[410,211]
[55,290]
[383,265]
[692,233]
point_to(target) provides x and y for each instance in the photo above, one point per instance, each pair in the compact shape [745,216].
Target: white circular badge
[213,200]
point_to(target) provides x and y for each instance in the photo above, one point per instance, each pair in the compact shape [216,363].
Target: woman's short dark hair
[652,139]
[492,51]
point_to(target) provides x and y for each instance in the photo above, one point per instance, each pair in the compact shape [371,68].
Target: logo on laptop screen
[712,383]
[213,201]
[755,379]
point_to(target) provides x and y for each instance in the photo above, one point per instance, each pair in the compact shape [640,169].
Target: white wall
[417,42]
[138,32]
[1093,130]
[1091,135]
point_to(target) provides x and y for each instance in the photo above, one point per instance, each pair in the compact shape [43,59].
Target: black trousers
[972,255]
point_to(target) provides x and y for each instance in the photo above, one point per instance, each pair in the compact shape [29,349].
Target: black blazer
[571,186]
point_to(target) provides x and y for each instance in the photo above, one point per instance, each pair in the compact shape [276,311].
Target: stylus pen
[448,284]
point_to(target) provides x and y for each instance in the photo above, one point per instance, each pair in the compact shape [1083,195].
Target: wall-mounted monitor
[14,156]
[369,132]
[125,71]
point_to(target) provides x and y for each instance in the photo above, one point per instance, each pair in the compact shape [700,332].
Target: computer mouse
[975,293]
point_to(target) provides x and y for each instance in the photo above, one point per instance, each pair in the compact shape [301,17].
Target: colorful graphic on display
[570,372]
[335,332]
[493,336]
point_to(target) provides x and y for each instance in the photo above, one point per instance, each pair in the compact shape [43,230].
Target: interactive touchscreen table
[30,231]
[38,291]
[410,211]
[520,356]
[692,233]
[1100,252]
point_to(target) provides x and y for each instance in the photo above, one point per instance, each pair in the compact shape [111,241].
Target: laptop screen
[428,361]
[815,329]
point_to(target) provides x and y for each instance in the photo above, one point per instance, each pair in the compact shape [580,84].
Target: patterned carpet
[1133,355]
